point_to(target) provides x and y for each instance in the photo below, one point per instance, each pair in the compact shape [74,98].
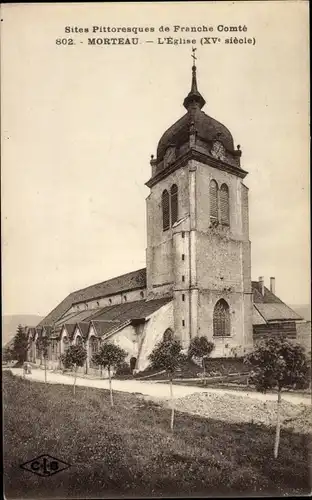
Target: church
[197,280]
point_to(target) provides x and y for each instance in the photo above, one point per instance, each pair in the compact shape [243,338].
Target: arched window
[165,210]
[64,344]
[213,194]
[224,205]
[168,335]
[133,361]
[79,340]
[93,348]
[174,203]
[221,319]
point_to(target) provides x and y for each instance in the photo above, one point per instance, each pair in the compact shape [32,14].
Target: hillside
[10,323]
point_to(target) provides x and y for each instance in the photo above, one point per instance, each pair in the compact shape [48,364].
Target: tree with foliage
[43,343]
[72,358]
[20,345]
[167,355]
[200,348]
[7,354]
[109,356]
[278,364]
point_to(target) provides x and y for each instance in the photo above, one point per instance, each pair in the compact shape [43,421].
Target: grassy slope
[129,449]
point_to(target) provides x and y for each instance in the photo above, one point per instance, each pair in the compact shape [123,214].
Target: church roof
[70,328]
[207,128]
[139,309]
[270,307]
[84,329]
[106,319]
[123,283]
[103,327]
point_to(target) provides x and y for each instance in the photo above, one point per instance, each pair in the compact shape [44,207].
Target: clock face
[170,155]
[218,150]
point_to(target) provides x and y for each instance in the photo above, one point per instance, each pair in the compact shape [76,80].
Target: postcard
[155,249]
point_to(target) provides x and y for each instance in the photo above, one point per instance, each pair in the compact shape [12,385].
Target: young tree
[20,345]
[74,356]
[278,363]
[43,343]
[109,356]
[201,348]
[167,355]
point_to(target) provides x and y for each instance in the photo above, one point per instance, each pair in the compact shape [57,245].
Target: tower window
[174,203]
[213,193]
[183,256]
[221,319]
[183,297]
[183,322]
[125,298]
[183,278]
[183,234]
[165,210]
[224,205]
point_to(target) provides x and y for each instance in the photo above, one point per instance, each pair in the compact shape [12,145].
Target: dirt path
[157,390]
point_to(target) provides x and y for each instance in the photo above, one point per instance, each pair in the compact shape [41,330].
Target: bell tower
[198,248]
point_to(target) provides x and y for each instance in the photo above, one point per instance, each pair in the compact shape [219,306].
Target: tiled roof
[131,310]
[267,298]
[135,280]
[70,328]
[276,312]
[108,318]
[103,327]
[78,316]
[84,329]
[257,319]
[270,307]
[126,282]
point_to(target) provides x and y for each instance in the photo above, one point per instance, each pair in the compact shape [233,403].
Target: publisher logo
[45,465]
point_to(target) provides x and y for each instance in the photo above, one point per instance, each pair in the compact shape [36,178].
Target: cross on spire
[193,55]
[194,96]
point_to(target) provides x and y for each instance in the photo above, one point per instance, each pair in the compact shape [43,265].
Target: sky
[79,125]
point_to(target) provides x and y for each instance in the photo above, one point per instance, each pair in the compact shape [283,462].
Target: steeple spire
[194,97]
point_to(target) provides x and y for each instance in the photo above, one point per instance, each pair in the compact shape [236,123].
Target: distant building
[198,275]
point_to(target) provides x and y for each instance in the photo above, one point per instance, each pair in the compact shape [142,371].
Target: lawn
[129,450]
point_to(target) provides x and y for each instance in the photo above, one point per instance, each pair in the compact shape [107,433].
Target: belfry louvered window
[174,203]
[224,205]
[221,319]
[165,210]
[213,193]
